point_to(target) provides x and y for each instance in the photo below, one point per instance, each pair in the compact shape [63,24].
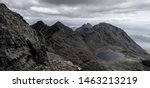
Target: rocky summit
[102,47]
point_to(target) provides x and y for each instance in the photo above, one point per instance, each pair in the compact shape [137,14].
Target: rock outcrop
[21,47]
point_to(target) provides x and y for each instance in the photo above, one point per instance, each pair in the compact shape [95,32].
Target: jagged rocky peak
[40,22]
[40,26]
[3,9]
[59,23]
[2,5]
[87,25]
[60,26]
[7,16]
[48,31]
[85,28]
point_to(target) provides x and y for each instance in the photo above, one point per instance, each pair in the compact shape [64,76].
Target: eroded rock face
[17,40]
[21,47]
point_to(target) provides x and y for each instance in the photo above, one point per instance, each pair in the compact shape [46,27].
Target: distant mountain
[84,29]
[71,46]
[58,26]
[84,26]
[40,26]
[114,38]
[91,47]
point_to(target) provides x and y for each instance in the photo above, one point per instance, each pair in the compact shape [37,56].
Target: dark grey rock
[84,47]
[106,36]
[58,47]
[21,47]
[84,29]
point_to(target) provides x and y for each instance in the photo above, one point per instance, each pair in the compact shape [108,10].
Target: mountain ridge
[102,38]
[59,48]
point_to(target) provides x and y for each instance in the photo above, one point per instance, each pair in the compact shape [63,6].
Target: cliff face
[21,47]
[18,42]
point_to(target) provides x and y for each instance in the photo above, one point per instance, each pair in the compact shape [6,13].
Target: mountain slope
[108,42]
[22,48]
[71,46]
[101,47]
[110,37]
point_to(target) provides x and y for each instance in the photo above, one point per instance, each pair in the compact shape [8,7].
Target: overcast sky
[128,14]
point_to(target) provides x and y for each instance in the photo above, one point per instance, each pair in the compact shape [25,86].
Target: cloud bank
[128,14]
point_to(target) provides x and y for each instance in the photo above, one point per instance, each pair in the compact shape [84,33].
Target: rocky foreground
[102,47]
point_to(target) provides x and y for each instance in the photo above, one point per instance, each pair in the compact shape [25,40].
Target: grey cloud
[83,2]
[87,8]
[92,11]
